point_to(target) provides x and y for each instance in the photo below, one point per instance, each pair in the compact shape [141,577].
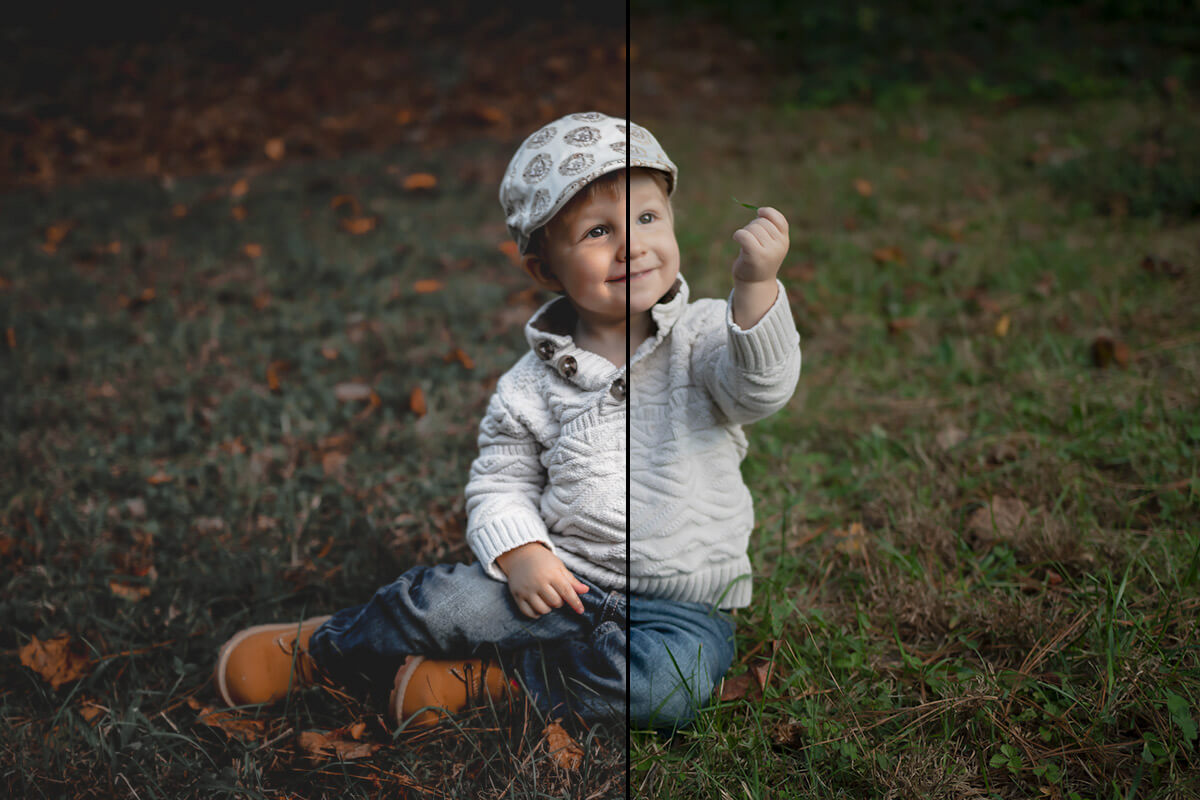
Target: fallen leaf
[239,188]
[999,520]
[428,285]
[949,437]
[252,250]
[134,591]
[319,746]
[863,187]
[951,229]
[5,284]
[1161,266]
[230,723]
[511,250]
[762,671]
[490,114]
[899,324]
[1002,324]
[562,748]
[357,226]
[404,116]
[346,199]
[852,541]
[159,478]
[89,709]
[238,213]
[10,336]
[351,391]
[329,353]
[56,661]
[54,235]
[738,687]
[1107,351]
[460,355]
[261,301]
[887,255]
[418,181]
[179,211]
[333,462]
[416,402]
[274,148]
[273,378]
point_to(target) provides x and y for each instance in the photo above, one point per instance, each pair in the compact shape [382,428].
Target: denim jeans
[572,665]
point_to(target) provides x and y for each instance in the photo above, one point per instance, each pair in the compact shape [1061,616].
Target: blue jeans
[572,665]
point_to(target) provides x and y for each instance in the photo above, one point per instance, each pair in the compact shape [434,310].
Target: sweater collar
[550,334]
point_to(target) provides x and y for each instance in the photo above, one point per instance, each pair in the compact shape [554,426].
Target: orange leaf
[511,250]
[404,116]
[562,748]
[239,188]
[1002,326]
[179,210]
[5,283]
[273,370]
[427,286]
[863,187]
[229,722]
[885,255]
[359,225]
[57,661]
[346,199]
[333,462]
[10,336]
[133,591]
[460,355]
[419,180]
[90,709]
[159,478]
[490,114]
[852,541]
[261,301]
[253,250]
[416,401]
[1106,352]
[274,148]
[319,746]
[329,353]
[238,212]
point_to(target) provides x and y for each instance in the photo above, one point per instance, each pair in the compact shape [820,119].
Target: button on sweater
[553,449]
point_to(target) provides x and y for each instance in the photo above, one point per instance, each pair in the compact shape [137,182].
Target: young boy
[553,599]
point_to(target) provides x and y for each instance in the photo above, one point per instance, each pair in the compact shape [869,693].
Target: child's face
[596,261]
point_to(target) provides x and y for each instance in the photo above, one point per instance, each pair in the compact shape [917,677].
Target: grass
[978,544]
[977,550]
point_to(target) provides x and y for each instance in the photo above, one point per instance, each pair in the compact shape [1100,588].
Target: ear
[541,273]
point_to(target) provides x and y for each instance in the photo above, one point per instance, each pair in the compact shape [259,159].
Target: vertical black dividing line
[628,396]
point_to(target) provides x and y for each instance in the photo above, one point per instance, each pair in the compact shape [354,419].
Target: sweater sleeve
[751,373]
[504,491]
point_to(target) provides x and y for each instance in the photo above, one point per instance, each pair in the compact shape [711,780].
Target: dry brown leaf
[252,250]
[351,391]
[511,250]
[1107,351]
[416,402]
[1002,325]
[887,255]
[238,213]
[273,378]
[329,353]
[428,285]
[134,592]
[159,478]
[460,355]
[55,233]
[762,671]
[357,226]
[239,188]
[89,709]
[179,211]
[863,187]
[951,229]
[10,336]
[1001,519]
[346,199]
[261,301]
[949,437]
[490,114]
[562,748]
[56,661]
[738,687]
[230,723]
[852,541]
[320,747]
[404,116]
[419,180]
[900,324]
[333,462]
[5,284]
[275,149]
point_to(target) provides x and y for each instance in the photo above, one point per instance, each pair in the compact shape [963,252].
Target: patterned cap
[561,158]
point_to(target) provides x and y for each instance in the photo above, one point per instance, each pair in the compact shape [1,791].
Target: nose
[627,249]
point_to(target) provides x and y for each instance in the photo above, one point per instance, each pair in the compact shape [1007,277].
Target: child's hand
[764,243]
[539,581]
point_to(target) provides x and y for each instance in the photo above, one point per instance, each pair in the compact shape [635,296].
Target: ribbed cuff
[499,536]
[769,342]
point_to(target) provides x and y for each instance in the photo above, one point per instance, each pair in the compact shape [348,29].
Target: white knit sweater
[552,450]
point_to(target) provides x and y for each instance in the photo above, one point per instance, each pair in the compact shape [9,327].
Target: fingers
[775,218]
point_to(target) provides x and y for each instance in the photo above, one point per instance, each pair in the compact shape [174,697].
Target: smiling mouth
[636,275]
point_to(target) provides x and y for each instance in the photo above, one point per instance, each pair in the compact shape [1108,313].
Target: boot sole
[227,649]
[400,685]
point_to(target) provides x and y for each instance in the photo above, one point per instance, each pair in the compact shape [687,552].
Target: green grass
[949,650]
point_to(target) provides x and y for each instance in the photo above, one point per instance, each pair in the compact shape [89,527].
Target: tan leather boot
[452,686]
[262,664]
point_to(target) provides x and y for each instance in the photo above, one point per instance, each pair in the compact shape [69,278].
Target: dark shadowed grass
[209,422]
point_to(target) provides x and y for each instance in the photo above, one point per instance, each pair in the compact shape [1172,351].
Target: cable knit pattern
[552,449]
